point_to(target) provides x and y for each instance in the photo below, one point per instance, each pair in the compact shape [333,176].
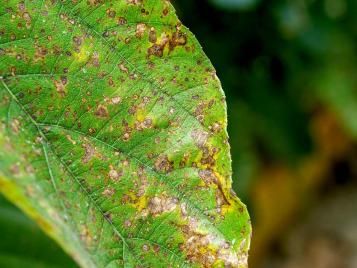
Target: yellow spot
[140,115]
[84,54]
[141,203]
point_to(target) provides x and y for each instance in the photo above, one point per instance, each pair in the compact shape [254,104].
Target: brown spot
[114,174]
[108,192]
[71,140]
[111,13]
[221,199]
[21,6]
[199,137]
[122,21]
[85,235]
[147,123]
[163,164]
[127,223]
[61,86]
[102,111]
[178,39]
[40,53]
[134,2]
[105,34]
[15,126]
[95,59]
[152,35]
[116,100]
[158,205]
[215,127]
[26,16]
[126,136]
[123,68]
[15,169]
[156,50]
[94,2]
[208,156]
[77,40]
[88,153]
[208,176]
[111,81]
[140,29]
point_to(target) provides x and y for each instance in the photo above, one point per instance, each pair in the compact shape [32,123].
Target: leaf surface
[113,135]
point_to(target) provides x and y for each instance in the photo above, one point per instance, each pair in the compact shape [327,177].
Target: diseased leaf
[113,135]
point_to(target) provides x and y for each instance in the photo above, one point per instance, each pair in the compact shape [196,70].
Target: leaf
[113,135]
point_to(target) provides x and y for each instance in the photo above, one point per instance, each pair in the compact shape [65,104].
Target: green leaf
[113,135]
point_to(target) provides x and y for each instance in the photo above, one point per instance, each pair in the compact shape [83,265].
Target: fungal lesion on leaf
[60,86]
[207,248]
[140,30]
[167,41]
[15,125]
[163,164]
[115,174]
[102,111]
[89,152]
[158,205]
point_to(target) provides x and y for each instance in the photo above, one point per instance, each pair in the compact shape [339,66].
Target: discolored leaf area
[113,135]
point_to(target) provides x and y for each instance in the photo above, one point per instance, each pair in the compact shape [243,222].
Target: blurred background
[289,71]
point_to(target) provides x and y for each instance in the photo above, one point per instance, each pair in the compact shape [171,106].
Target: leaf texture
[113,135]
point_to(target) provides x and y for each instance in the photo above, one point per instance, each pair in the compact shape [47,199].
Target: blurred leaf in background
[235,4]
[23,244]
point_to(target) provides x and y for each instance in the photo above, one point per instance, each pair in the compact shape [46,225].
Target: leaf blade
[127,122]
